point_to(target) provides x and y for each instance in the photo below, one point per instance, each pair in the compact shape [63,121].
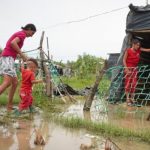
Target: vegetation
[79,83]
[0,50]
[85,65]
[104,128]
[84,74]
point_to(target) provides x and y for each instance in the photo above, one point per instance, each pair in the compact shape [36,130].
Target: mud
[20,134]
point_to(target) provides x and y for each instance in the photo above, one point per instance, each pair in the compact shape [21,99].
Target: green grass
[75,82]
[103,128]
[4,98]
[56,106]
[79,83]
[88,81]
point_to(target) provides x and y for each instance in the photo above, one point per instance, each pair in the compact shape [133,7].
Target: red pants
[26,99]
[131,80]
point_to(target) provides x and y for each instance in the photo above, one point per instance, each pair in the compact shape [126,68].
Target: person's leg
[6,83]
[134,84]
[13,87]
[127,88]
[30,99]
[21,105]
[24,103]
[32,110]
[127,96]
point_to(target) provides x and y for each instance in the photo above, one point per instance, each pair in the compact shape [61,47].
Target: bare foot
[9,108]
[129,102]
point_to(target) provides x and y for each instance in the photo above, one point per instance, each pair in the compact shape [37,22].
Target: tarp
[138,18]
[137,26]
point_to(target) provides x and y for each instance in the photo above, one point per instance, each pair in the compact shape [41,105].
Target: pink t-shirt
[8,50]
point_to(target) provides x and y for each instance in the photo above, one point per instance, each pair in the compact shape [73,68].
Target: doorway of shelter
[142,88]
[144,37]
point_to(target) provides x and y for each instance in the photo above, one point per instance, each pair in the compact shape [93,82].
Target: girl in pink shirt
[7,60]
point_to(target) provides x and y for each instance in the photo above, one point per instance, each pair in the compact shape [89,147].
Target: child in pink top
[7,60]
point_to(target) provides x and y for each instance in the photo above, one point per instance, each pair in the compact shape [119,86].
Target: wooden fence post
[148,117]
[45,69]
[88,102]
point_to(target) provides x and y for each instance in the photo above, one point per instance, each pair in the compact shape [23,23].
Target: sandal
[10,108]
[129,104]
[17,112]
[32,109]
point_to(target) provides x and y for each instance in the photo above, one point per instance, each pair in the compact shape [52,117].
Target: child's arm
[37,81]
[124,61]
[21,65]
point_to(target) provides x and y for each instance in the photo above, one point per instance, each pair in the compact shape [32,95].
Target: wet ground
[121,115]
[21,133]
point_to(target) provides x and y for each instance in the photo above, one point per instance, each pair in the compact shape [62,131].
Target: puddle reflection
[20,135]
[6,138]
[123,117]
[76,110]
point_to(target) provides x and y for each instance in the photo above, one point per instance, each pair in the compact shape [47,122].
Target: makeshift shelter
[112,60]
[137,27]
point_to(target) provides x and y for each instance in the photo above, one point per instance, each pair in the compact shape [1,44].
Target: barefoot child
[28,79]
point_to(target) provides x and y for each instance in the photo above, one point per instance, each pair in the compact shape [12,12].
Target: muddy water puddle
[21,134]
[121,115]
[127,117]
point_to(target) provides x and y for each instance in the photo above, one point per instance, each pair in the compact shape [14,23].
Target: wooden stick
[148,118]
[45,69]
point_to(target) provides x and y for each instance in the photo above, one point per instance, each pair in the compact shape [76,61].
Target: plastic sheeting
[138,18]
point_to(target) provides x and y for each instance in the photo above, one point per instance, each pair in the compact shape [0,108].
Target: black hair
[29,26]
[34,61]
[135,41]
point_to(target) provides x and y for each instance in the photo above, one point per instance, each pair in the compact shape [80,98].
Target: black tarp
[137,26]
[138,18]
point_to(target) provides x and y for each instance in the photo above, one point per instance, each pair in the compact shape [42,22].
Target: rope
[57,80]
[86,18]
[31,50]
[140,80]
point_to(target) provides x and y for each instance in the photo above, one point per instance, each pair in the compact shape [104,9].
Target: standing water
[21,134]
